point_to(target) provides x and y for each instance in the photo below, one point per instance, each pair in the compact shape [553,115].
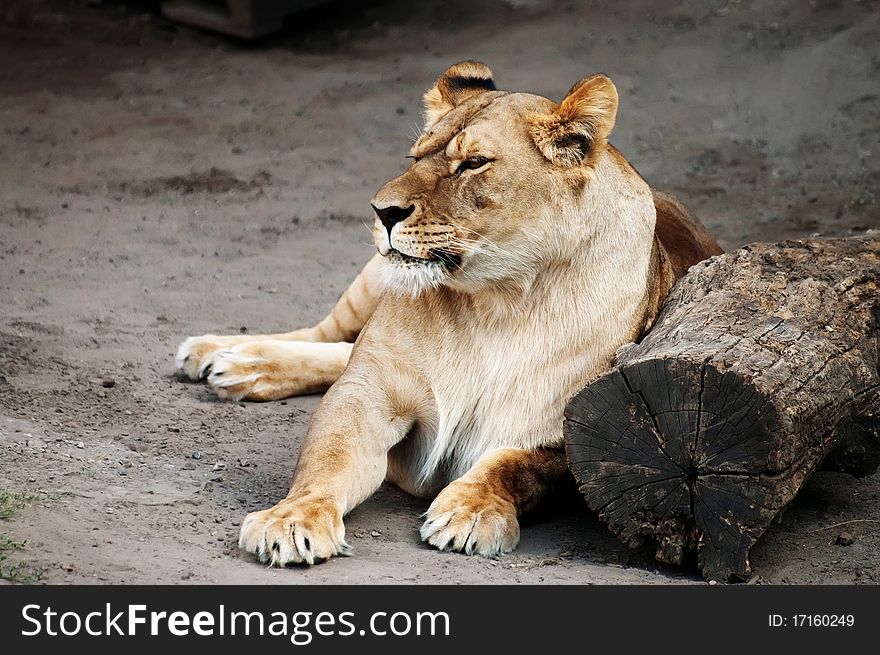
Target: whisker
[494,247]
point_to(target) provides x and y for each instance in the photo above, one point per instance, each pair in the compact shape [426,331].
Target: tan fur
[274,366]
[584,119]
[524,253]
[684,238]
[445,95]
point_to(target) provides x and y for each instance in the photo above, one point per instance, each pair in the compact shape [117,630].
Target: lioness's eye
[471,163]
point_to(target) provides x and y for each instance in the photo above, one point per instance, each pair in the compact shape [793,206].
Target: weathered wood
[762,365]
[245,19]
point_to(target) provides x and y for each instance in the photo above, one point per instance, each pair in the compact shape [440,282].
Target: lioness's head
[497,184]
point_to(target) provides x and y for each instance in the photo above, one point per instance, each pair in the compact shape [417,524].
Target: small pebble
[108,383]
[219,466]
[197,455]
[844,539]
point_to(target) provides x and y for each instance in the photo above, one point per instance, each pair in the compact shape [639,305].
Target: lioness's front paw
[470,517]
[295,532]
[194,355]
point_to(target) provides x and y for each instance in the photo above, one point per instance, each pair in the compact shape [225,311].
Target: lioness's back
[684,238]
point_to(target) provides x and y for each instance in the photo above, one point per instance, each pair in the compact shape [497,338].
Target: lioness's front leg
[478,513]
[342,461]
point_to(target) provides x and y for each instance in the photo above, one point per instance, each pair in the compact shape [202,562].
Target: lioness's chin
[405,275]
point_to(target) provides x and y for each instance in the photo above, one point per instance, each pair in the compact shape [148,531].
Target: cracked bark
[762,367]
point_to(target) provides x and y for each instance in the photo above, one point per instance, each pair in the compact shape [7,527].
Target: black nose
[391,216]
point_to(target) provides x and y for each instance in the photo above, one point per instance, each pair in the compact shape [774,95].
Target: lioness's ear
[583,120]
[457,83]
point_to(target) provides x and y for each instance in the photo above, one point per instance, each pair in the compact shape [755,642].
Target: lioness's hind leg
[195,356]
[478,513]
[272,369]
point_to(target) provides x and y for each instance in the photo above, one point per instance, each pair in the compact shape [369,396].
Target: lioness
[515,255]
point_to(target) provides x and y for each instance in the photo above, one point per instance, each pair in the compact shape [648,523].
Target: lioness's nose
[392,215]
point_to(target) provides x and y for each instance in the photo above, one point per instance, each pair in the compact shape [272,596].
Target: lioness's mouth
[448,260]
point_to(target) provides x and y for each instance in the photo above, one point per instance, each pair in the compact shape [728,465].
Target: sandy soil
[157,182]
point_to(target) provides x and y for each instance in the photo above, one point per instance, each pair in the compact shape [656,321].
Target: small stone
[713,582]
[375,533]
[844,539]
[219,466]
[187,575]
[109,510]
[108,383]
[80,444]
[197,455]
[243,462]
[101,393]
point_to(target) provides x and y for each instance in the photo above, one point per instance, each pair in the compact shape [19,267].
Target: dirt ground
[157,182]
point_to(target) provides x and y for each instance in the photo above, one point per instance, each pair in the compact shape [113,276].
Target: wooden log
[762,365]
[245,19]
